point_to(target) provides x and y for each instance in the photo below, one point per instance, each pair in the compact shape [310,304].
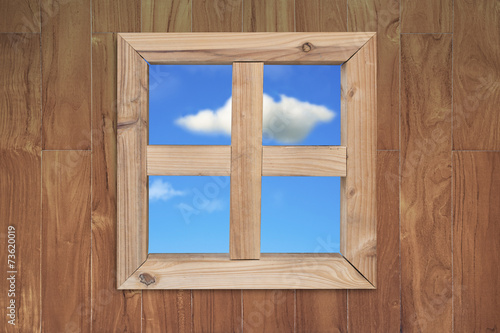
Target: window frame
[354,161]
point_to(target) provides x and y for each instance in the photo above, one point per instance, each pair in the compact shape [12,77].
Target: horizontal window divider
[188,160]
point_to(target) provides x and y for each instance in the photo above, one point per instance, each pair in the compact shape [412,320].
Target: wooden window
[246,161]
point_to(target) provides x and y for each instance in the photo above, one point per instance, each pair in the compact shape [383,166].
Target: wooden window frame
[246,160]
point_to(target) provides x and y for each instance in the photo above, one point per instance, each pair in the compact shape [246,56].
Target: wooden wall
[438,168]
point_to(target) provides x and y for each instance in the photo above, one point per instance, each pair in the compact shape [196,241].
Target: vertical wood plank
[321,311]
[66,210]
[167,311]
[379,310]
[112,310]
[426,183]
[268,16]
[132,140]
[268,311]
[217,16]
[358,225]
[166,15]
[20,177]
[20,16]
[217,311]
[320,15]
[476,249]
[66,71]
[382,16]
[246,160]
[116,15]
[476,72]
[426,16]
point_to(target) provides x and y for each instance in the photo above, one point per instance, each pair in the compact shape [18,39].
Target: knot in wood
[147,279]
[306,47]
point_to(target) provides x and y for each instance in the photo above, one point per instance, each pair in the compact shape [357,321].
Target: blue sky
[191,105]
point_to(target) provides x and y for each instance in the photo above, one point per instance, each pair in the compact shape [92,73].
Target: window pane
[190,104]
[301,105]
[188,214]
[300,214]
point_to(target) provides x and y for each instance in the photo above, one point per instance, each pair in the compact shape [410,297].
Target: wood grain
[246,160]
[66,53]
[226,48]
[20,16]
[132,140]
[426,183]
[166,15]
[268,16]
[187,160]
[476,73]
[426,16]
[268,311]
[217,311]
[321,311]
[319,161]
[66,214]
[382,16]
[167,311]
[112,310]
[379,310]
[20,177]
[358,225]
[272,271]
[216,15]
[476,250]
[116,16]
[320,15]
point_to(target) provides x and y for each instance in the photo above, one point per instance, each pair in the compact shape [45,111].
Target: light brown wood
[20,16]
[268,16]
[156,12]
[476,73]
[476,234]
[20,178]
[116,16]
[189,160]
[382,16]
[66,86]
[246,160]
[426,259]
[321,15]
[303,161]
[66,209]
[272,271]
[380,310]
[226,48]
[220,15]
[276,161]
[132,140]
[358,225]
[112,310]
[426,16]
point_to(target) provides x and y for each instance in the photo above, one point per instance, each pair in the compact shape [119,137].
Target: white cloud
[288,120]
[160,190]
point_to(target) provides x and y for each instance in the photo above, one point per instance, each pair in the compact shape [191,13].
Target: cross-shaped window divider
[246,161]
